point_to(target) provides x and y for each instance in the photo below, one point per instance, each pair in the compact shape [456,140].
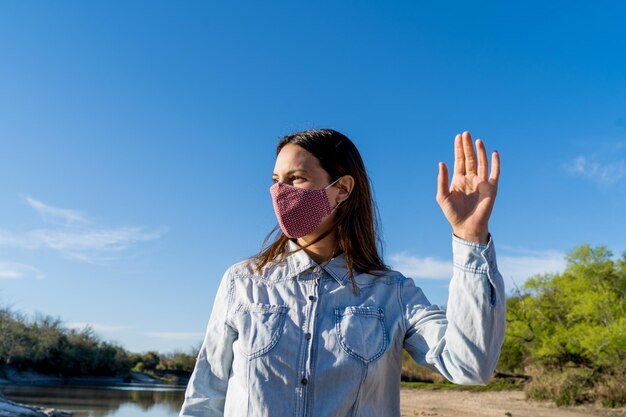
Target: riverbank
[12,409]
[13,377]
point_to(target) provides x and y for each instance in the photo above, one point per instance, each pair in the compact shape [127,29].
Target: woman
[314,325]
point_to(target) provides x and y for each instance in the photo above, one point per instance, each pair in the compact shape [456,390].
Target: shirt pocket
[361,332]
[260,326]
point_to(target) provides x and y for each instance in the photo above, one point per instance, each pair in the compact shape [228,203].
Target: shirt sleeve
[205,395]
[464,342]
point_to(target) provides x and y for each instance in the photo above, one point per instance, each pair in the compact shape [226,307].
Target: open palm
[468,201]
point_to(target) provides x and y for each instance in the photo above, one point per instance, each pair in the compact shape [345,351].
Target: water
[123,400]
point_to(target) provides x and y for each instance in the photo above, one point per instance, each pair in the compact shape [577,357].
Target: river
[121,400]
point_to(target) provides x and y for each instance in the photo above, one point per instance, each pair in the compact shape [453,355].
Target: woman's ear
[345,185]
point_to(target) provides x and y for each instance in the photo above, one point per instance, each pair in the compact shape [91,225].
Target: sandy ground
[489,404]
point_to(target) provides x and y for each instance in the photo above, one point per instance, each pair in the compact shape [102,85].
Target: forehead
[294,157]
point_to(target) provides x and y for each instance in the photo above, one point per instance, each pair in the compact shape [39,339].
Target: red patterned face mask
[299,210]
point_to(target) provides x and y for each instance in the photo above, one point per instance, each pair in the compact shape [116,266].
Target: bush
[574,317]
[45,345]
[568,387]
[612,391]
[412,372]
[178,363]
[149,361]
[570,326]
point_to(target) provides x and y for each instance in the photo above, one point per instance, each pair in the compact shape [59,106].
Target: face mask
[299,210]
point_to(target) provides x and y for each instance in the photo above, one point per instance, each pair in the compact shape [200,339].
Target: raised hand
[468,202]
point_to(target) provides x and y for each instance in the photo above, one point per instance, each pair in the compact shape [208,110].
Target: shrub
[413,372]
[44,345]
[568,387]
[612,391]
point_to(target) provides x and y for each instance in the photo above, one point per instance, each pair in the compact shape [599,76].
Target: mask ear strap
[333,182]
[329,186]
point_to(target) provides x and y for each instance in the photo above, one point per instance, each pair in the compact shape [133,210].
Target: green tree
[572,320]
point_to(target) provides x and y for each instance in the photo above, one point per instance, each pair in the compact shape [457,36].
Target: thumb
[442,183]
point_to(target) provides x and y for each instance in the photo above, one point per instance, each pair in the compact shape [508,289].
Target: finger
[495,168]
[442,182]
[483,168]
[459,156]
[470,155]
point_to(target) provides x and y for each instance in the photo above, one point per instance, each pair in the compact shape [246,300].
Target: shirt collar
[301,261]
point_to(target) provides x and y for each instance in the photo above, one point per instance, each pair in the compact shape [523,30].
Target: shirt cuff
[473,256]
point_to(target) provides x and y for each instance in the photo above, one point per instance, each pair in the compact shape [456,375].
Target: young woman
[314,325]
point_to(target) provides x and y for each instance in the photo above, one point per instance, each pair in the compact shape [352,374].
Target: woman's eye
[293,178]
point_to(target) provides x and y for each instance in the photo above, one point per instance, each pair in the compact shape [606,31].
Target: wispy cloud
[75,236]
[99,245]
[421,267]
[603,171]
[111,328]
[16,270]
[97,327]
[55,214]
[515,264]
[175,335]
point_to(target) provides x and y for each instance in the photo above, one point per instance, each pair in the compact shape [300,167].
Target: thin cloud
[16,270]
[175,335]
[517,267]
[55,214]
[421,267]
[76,237]
[594,169]
[515,264]
[97,327]
[92,246]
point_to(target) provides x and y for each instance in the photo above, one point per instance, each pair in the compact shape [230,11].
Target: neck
[322,250]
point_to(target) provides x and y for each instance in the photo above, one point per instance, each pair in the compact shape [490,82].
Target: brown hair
[357,218]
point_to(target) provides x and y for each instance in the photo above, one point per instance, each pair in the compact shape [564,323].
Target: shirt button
[303,381]
[308,336]
[311,297]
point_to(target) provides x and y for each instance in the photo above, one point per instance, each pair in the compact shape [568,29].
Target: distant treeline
[45,345]
[566,334]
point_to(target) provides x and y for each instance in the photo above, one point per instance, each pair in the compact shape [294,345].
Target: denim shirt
[294,340]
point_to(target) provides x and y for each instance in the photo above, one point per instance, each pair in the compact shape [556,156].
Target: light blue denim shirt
[296,341]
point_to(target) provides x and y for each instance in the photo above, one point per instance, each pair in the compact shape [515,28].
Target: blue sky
[137,140]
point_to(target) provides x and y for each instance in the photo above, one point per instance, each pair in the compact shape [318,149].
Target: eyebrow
[291,172]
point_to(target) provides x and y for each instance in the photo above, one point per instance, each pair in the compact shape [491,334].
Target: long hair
[357,219]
